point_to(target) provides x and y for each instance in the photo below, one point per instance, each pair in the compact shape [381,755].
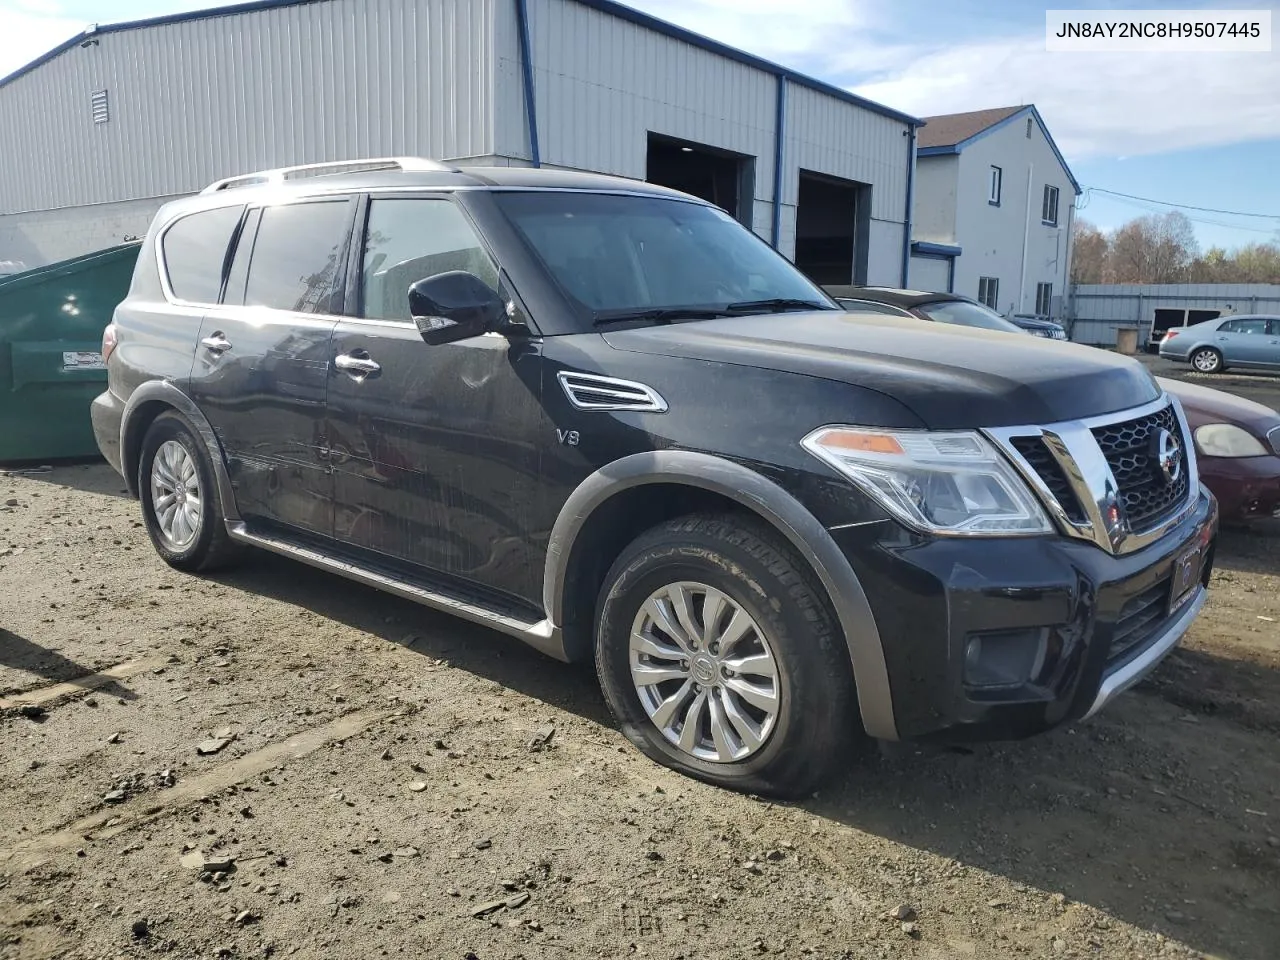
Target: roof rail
[332,168]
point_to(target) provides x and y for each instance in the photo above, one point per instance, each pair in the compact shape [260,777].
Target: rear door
[1244,341]
[260,372]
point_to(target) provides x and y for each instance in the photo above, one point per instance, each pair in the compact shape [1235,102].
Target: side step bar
[542,635]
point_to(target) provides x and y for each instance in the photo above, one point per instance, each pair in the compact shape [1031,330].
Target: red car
[1237,448]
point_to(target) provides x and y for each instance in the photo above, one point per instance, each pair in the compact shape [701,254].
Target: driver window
[407,240]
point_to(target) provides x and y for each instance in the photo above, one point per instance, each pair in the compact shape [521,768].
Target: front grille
[1046,466]
[1140,619]
[1147,498]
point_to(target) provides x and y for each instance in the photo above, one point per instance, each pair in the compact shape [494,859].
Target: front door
[1245,341]
[434,448]
[260,373]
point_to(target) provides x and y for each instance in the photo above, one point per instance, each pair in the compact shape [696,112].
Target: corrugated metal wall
[604,83]
[1098,310]
[194,101]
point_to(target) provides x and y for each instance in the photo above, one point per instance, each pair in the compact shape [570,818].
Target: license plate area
[1186,577]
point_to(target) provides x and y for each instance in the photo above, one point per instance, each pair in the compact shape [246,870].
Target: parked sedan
[1247,342]
[939,307]
[1039,326]
[1237,441]
[1237,447]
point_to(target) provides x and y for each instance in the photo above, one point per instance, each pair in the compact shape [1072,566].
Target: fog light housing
[1005,658]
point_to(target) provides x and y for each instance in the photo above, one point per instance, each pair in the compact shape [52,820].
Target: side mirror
[454,306]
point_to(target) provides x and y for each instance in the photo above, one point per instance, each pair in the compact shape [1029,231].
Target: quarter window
[989,292]
[1049,210]
[408,240]
[997,183]
[297,256]
[1044,299]
[195,251]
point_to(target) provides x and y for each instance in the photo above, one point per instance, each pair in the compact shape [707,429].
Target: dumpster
[51,323]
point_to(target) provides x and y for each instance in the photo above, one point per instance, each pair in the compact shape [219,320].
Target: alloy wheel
[176,499]
[705,672]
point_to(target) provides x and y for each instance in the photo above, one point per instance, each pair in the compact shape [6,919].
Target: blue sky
[1200,129]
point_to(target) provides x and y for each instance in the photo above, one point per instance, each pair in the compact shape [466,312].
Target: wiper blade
[776,305]
[656,315]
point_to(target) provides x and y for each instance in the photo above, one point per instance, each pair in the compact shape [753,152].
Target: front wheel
[1207,360]
[718,655]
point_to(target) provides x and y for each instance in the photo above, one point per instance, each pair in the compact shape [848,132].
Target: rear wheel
[180,498]
[1207,360]
[720,659]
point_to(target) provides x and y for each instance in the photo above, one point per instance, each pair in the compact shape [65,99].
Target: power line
[1142,205]
[1186,206]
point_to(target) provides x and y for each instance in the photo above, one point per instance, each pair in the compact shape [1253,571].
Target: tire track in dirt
[37,850]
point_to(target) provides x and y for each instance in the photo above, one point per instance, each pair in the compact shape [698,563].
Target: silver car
[1251,342]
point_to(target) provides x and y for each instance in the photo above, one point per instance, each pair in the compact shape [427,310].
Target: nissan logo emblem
[1168,456]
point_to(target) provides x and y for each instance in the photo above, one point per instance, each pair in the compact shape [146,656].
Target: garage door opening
[831,229]
[717,176]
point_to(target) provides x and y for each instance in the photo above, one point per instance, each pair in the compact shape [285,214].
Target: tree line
[1162,248]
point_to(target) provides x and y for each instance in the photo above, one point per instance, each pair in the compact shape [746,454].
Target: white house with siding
[994,210]
[101,131]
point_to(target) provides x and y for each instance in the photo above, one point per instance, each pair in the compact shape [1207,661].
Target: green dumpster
[51,323]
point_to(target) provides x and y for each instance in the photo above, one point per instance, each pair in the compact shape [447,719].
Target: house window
[1028,128]
[989,292]
[1044,299]
[1049,212]
[997,178]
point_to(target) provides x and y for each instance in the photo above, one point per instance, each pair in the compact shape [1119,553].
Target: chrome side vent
[587,391]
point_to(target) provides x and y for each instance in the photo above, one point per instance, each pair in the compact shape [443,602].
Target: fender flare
[168,393]
[776,506]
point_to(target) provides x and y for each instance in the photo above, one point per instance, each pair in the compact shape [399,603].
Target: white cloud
[1099,104]
[30,30]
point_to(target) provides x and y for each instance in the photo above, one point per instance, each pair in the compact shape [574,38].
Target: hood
[951,377]
[1206,405]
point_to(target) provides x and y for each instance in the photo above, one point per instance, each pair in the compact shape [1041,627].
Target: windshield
[966,314]
[619,258]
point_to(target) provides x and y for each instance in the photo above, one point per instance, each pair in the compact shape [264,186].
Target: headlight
[951,483]
[1227,440]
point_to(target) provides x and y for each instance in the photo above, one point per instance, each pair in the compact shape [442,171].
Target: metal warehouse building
[99,132]
[1099,310]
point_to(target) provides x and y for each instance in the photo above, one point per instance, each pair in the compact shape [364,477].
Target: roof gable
[976,125]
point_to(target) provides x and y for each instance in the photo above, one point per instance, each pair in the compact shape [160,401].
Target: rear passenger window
[297,256]
[195,250]
[411,240]
[1256,325]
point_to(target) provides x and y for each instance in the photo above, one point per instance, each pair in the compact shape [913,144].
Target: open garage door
[718,176]
[832,225]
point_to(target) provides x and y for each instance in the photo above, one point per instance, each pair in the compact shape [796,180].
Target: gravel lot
[379,780]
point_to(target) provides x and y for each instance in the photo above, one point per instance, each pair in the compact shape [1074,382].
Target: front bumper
[1247,488]
[1098,622]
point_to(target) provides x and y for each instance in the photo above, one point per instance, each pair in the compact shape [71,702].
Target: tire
[1206,360]
[201,541]
[814,723]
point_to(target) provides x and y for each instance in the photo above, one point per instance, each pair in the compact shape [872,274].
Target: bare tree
[1089,254]
[1153,249]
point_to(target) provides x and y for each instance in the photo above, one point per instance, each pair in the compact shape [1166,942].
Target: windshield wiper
[776,305]
[656,315]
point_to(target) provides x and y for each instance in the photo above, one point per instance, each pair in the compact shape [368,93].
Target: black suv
[605,418]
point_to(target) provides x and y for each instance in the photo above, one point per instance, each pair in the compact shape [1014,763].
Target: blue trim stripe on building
[779,134]
[526,68]
[605,6]
[911,199]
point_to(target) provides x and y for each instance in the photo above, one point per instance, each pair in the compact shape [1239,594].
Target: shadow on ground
[1138,812]
[89,476]
[21,654]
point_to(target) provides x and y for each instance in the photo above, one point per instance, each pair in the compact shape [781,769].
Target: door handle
[355,366]
[217,343]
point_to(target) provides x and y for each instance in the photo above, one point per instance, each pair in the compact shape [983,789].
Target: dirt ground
[382,781]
